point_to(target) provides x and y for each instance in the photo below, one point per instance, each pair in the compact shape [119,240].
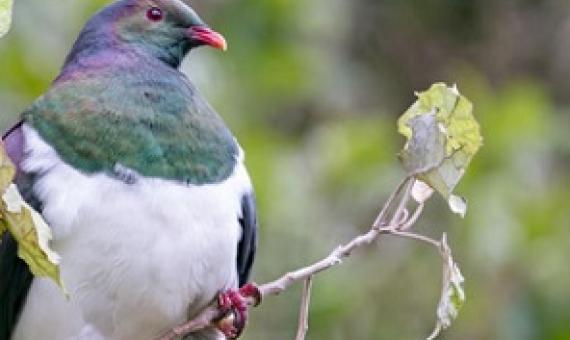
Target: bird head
[166,29]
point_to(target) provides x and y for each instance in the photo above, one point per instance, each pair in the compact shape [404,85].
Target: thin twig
[397,217]
[412,220]
[414,236]
[304,311]
[435,332]
[379,219]
[402,218]
[335,258]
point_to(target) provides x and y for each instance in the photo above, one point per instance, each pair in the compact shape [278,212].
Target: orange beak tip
[209,37]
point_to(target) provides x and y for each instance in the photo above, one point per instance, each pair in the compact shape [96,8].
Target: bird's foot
[234,304]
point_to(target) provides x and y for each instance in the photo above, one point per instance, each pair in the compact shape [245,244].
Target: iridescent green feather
[154,124]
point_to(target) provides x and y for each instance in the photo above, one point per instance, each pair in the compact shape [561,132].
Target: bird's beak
[207,36]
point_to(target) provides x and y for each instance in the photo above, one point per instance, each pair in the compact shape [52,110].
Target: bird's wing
[15,277]
[248,243]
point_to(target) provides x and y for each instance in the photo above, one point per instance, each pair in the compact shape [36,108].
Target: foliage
[5,16]
[452,294]
[442,138]
[26,226]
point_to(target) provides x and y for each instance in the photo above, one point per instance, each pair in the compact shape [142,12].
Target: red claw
[234,304]
[251,290]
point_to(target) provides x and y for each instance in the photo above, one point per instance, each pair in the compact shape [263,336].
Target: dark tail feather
[15,281]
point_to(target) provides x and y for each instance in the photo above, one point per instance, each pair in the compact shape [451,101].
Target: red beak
[208,37]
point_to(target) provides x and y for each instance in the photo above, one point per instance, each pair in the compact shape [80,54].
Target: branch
[304,311]
[204,320]
[399,221]
[412,236]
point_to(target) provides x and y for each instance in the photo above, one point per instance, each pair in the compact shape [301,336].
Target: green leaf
[442,138]
[26,226]
[452,294]
[5,16]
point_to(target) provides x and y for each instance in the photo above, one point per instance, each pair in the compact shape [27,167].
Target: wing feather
[247,246]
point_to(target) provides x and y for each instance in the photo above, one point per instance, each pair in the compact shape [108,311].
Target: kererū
[142,183]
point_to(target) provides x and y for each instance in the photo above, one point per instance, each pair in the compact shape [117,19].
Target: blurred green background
[313,89]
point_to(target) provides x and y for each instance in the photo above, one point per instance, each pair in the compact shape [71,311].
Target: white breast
[134,256]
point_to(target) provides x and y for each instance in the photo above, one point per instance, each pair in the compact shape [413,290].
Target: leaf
[26,226]
[452,295]
[7,170]
[7,173]
[32,235]
[442,138]
[5,16]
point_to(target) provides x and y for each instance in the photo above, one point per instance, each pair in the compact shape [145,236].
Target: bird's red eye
[154,14]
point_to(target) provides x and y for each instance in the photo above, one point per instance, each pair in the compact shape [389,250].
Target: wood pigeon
[142,183]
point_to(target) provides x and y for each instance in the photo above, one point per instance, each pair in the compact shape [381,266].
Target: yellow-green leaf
[442,138]
[32,235]
[7,170]
[7,173]
[5,16]
[26,226]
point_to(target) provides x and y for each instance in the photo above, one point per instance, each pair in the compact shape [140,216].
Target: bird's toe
[234,304]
